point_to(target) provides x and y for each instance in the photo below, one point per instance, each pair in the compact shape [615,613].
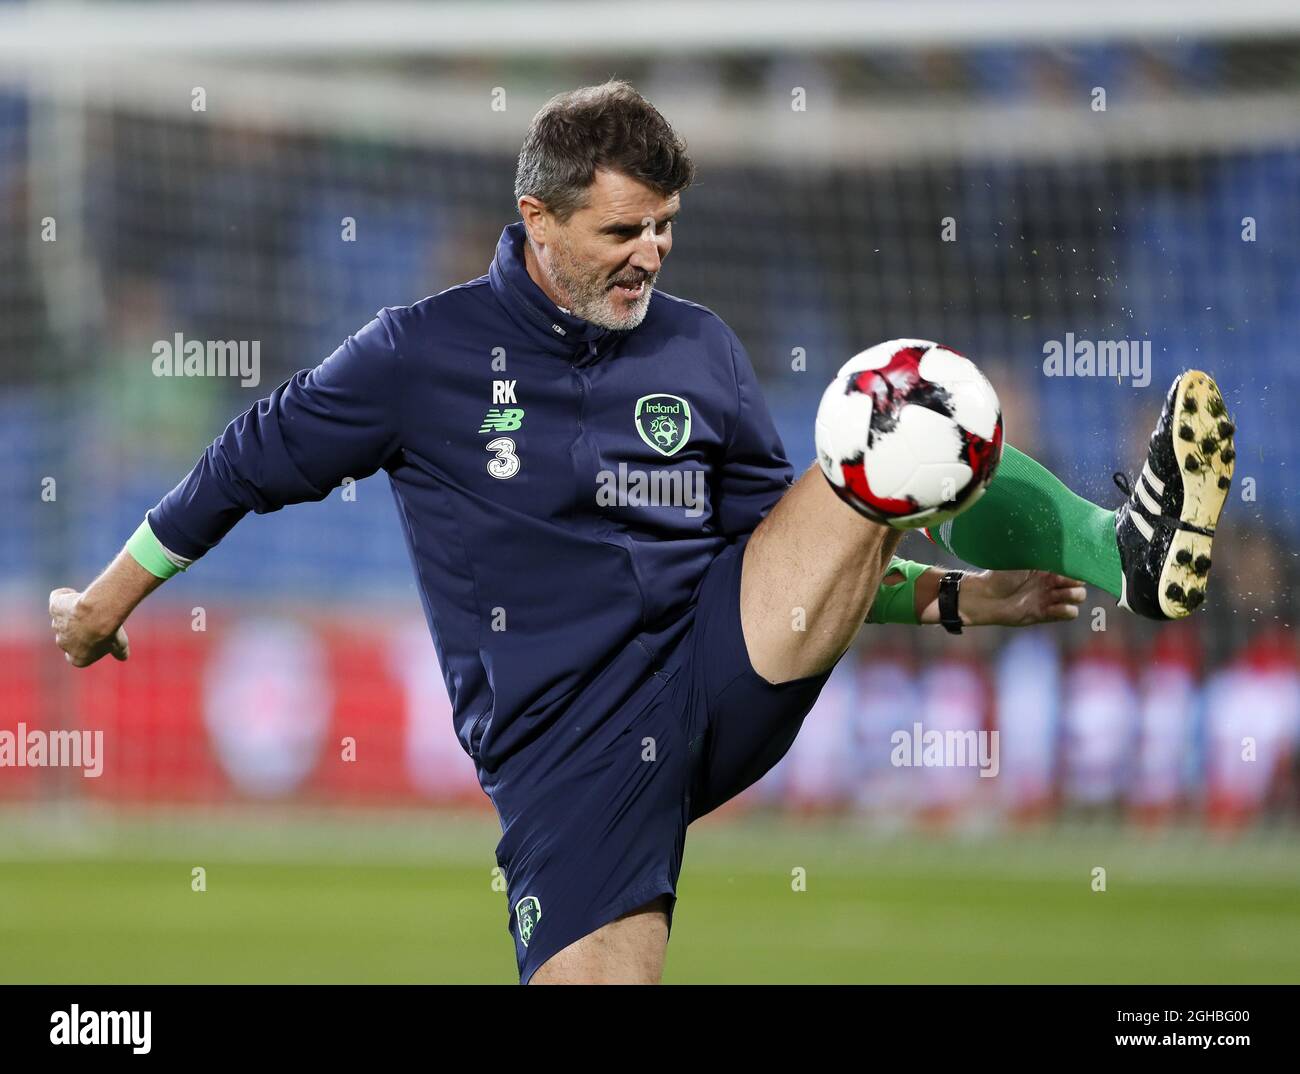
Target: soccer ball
[909,433]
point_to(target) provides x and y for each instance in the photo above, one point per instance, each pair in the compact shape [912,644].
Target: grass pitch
[411,899]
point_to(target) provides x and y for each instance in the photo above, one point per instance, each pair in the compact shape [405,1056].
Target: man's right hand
[76,631]
[88,625]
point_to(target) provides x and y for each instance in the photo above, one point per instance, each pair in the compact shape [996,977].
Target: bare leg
[810,574]
[813,562]
[629,950]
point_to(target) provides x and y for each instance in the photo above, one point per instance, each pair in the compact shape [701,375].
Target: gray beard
[590,298]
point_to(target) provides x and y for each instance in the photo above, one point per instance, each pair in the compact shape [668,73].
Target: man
[633,606]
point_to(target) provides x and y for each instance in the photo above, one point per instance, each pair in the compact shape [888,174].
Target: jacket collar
[561,333]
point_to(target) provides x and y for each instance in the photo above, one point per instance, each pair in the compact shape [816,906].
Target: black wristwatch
[949,589]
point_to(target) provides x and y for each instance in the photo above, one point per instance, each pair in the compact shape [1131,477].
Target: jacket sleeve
[755,471]
[338,420]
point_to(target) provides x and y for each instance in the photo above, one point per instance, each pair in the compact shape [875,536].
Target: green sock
[1027,519]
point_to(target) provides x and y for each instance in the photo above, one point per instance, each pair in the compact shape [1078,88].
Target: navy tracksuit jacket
[539,593]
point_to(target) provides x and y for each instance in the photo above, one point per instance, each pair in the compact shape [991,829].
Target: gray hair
[607,126]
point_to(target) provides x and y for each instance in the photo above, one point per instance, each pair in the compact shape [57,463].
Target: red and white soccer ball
[909,433]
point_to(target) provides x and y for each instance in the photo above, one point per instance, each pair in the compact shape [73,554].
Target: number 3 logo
[506,464]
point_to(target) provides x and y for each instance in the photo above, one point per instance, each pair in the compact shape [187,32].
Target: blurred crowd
[223,231]
[1108,716]
[1156,735]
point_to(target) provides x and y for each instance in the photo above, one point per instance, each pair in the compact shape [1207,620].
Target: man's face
[603,261]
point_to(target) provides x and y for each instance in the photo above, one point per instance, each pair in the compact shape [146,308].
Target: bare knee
[628,950]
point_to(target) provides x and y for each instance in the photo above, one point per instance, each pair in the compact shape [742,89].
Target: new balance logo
[502,420]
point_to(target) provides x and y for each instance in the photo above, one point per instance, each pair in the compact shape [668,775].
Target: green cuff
[897,603]
[148,551]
